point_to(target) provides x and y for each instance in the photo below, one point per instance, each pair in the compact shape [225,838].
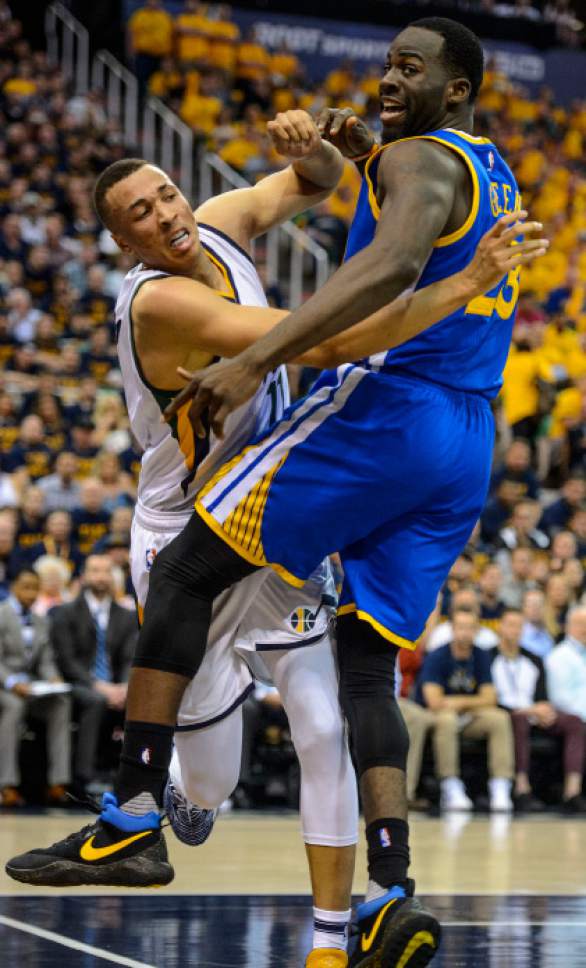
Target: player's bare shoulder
[230,214]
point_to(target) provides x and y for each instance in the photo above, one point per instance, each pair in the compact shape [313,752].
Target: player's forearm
[359,288]
[323,169]
[406,317]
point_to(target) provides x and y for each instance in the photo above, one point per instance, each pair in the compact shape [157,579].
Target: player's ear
[120,243]
[458,90]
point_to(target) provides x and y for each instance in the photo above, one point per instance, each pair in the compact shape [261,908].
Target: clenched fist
[294,134]
[344,129]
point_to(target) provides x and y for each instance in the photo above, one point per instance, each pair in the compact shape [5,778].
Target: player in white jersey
[169,316]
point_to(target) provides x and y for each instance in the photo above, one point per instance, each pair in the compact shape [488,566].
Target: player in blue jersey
[387,460]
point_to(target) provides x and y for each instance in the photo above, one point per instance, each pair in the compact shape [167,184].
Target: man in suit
[26,654]
[94,640]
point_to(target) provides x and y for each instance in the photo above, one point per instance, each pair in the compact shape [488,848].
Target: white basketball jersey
[175,464]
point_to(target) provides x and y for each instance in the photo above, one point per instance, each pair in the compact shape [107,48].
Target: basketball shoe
[191,825]
[327,958]
[394,931]
[118,849]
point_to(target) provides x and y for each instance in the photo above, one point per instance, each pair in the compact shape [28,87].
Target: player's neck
[207,272]
[462,120]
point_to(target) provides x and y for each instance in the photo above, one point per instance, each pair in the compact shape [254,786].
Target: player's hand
[499,251]
[344,129]
[294,134]
[218,389]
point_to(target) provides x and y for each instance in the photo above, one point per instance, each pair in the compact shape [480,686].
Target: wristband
[366,154]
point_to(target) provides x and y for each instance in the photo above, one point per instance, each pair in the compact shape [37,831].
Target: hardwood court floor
[510,894]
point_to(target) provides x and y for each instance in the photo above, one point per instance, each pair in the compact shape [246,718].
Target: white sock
[140,805]
[330,928]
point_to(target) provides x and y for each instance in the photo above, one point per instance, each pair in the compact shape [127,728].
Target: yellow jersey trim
[253,559]
[381,629]
[465,228]
[229,292]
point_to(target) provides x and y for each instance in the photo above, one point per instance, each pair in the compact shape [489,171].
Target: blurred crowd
[69,466]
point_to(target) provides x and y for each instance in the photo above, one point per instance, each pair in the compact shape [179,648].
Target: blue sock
[368,908]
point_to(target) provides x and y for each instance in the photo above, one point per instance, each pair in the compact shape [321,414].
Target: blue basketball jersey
[466,350]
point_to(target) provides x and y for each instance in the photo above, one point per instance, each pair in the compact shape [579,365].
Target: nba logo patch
[151,554]
[302,619]
[146,755]
[385,837]
[491,160]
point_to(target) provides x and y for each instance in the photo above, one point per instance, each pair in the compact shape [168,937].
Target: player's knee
[207,791]
[320,737]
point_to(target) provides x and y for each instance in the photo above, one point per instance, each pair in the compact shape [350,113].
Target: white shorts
[259,614]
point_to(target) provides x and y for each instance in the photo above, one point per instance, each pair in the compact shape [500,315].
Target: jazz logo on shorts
[151,554]
[302,619]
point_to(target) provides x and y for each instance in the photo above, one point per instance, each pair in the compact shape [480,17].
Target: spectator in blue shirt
[557,516]
[456,685]
[535,636]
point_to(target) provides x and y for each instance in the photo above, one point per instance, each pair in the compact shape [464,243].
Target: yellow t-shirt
[285,64]
[196,46]
[161,82]
[224,37]
[238,151]
[520,393]
[200,112]
[568,406]
[253,61]
[151,32]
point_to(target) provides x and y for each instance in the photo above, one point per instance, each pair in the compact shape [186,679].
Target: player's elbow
[395,272]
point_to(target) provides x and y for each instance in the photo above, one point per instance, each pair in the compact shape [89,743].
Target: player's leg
[203,773]
[308,685]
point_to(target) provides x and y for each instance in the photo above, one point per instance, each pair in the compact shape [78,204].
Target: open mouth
[181,240]
[392,111]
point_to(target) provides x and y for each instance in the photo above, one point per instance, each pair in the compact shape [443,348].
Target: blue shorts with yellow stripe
[390,471]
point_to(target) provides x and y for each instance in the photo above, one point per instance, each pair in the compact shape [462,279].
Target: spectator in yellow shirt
[525,374]
[253,61]
[224,39]
[193,33]
[285,66]
[201,108]
[150,31]
[168,81]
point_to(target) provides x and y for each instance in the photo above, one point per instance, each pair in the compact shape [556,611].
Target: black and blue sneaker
[118,850]
[191,824]
[395,931]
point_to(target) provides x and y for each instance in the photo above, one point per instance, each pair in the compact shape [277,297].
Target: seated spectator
[90,520]
[61,489]
[522,530]
[192,32]
[118,486]
[517,467]
[564,547]
[9,423]
[26,655]
[22,315]
[456,685]
[81,443]
[519,680]
[55,431]
[54,576]
[464,600]
[150,31]
[566,667]
[557,516]
[11,557]
[111,423]
[31,520]
[94,641]
[57,541]
[498,510]
[535,637]
[557,603]
[95,301]
[30,451]
[517,568]
[490,584]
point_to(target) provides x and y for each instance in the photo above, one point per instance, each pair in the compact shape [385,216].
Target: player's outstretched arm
[419,182]
[505,246]
[314,170]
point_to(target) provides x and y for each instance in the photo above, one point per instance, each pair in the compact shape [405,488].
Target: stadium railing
[287,256]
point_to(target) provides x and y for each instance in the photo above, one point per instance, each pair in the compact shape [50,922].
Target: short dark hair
[462,51]
[111,175]
[25,570]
